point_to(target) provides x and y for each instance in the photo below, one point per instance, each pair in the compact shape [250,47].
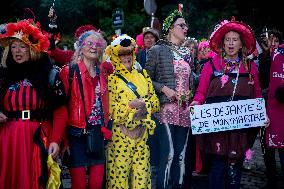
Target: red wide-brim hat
[226,26]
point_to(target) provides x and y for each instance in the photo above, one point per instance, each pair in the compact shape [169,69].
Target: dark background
[202,15]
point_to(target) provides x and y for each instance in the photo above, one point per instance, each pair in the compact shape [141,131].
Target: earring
[223,53]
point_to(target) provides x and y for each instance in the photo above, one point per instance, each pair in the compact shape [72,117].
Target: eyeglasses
[182,25]
[93,44]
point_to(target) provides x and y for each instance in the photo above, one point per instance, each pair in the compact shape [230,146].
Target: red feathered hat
[226,26]
[84,28]
[27,32]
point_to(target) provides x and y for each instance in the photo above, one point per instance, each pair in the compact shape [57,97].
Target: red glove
[106,133]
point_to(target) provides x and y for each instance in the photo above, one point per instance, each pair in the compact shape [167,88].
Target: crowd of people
[121,111]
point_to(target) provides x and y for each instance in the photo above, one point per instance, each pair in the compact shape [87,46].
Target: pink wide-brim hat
[226,26]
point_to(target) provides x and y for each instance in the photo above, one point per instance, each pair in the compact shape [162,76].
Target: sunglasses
[93,44]
[182,25]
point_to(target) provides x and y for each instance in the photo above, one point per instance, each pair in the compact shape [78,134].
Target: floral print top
[96,117]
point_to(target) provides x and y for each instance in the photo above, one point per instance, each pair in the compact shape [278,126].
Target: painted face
[149,40]
[232,44]
[20,51]
[92,49]
[179,30]
[273,42]
[126,60]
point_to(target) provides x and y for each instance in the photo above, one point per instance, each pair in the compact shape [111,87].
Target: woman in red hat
[29,93]
[228,76]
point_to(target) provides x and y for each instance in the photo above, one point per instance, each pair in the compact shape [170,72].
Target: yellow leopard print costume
[128,155]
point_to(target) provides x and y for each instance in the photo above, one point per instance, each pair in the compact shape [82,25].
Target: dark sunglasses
[182,25]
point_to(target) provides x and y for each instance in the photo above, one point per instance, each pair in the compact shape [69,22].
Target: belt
[27,115]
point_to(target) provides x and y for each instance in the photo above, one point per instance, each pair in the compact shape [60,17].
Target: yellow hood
[122,45]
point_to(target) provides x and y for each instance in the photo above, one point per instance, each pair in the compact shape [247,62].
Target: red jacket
[75,105]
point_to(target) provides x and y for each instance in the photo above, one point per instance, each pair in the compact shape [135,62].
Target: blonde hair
[34,56]
[4,56]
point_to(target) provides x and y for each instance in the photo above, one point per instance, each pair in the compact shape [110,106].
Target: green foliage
[201,15]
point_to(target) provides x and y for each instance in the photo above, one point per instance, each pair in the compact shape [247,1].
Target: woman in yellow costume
[132,101]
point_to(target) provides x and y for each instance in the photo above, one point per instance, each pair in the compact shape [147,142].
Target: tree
[202,15]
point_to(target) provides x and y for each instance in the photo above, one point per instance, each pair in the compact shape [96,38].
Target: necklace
[182,52]
[231,64]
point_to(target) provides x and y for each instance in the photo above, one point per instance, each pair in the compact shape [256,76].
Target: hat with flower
[28,32]
[226,26]
[169,21]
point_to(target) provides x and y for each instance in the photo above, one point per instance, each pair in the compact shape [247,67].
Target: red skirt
[20,163]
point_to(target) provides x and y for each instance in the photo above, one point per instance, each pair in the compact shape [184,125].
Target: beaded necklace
[231,64]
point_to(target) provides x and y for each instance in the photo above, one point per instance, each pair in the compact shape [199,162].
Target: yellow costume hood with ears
[120,46]
[119,92]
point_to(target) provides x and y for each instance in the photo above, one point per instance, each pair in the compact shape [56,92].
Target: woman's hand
[193,103]
[3,118]
[170,93]
[53,149]
[267,122]
[136,103]
[140,113]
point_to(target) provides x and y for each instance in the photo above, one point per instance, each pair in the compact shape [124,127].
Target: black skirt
[78,147]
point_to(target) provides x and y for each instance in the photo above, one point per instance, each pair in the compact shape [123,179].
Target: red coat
[75,105]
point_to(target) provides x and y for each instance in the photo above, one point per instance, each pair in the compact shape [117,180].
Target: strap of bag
[129,84]
[80,83]
[70,79]
[212,65]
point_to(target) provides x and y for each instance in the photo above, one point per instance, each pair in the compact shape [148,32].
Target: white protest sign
[226,116]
